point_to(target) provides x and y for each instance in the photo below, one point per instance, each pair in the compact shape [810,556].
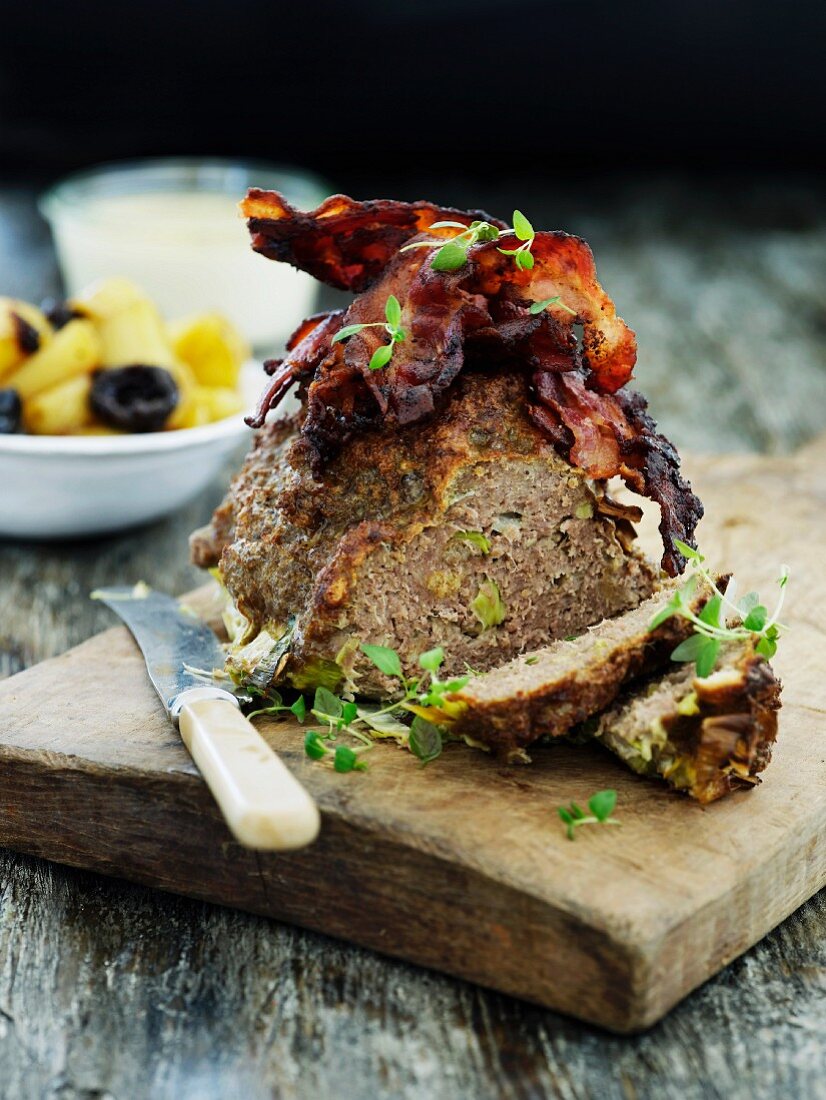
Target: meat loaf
[703,736]
[551,690]
[468,531]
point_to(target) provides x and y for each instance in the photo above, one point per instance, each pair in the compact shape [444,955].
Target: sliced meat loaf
[703,736]
[468,531]
[551,690]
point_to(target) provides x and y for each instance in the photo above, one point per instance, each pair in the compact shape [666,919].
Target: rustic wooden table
[109,990]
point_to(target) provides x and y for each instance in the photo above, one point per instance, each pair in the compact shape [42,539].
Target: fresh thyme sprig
[540,307]
[713,625]
[366,723]
[453,254]
[522,255]
[420,693]
[391,325]
[277,706]
[601,806]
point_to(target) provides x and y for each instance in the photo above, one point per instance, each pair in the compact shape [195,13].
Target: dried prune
[136,398]
[11,410]
[58,313]
[28,338]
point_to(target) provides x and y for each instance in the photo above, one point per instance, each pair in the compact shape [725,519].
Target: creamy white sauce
[190,251]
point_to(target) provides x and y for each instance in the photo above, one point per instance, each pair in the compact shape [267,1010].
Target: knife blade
[263,804]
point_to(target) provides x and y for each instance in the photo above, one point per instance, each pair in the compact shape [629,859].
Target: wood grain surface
[614,929]
[107,989]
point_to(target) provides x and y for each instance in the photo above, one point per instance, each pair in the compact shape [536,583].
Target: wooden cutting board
[464,866]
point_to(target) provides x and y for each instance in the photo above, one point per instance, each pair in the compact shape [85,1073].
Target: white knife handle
[263,804]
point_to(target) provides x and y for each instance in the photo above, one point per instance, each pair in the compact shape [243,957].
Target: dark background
[375,94]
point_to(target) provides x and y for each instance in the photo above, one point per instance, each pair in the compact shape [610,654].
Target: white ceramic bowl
[71,486]
[173,227]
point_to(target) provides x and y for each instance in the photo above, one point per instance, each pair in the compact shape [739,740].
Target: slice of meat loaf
[468,531]
[703,736]
[549,691]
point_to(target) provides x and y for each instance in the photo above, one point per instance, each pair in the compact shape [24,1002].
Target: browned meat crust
[548,692]
[373,551]
[613,434]
[473,317]
[706,737]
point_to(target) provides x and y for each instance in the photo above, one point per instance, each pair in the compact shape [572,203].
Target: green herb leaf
[766,647]
[299,708]
[487,606]
[448,225]
[756,618]
[711,612]
[602,804]
[540,307]
[381,357]
[386,660]
[707,658]
[690,649]
[326,703]
[393,311]
[670,609]
[455,685]
[524,260]
[475,538]
[434,697]
[314,747]
[451,256]
[688,551]
[522,227]
[348,330]
[425,740]
[348,713]
[432,660]
[484,231]
[346,760]
[418,244]
[699,649]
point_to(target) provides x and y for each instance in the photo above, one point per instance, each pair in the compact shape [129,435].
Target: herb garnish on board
[601,806]
[421,696]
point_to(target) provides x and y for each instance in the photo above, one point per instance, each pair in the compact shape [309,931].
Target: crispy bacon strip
[306,348]
[480,313]
[563,268]
[609,434]
[344,243]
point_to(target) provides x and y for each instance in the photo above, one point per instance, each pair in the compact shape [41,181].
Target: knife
[264,805]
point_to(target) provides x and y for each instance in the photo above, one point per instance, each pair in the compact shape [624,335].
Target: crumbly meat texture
[408,528]
[706,736]
[551,690]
